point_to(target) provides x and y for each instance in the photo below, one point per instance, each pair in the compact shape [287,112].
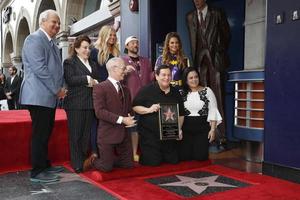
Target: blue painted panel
[282,93]
[252,75]
[249,134]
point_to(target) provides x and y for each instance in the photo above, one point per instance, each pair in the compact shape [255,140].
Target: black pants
[154,151]
[194,145]
[42,126]
[80,126]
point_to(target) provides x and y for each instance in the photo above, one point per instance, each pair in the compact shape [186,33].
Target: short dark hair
[14,68]
[157,71]
[185,74]
[79,40]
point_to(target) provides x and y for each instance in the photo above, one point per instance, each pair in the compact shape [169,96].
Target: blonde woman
[106,47]
[173,57]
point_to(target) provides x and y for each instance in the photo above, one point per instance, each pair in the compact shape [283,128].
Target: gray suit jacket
[43,71]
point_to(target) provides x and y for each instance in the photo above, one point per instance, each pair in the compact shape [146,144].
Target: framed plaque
[168,121]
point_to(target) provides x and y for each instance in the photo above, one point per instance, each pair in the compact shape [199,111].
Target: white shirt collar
[49,38]
[114,82]
[204,11]
[86,63]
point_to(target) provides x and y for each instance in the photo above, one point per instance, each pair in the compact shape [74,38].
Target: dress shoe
[44,177]
[87,164]
[55,169]
[78,170]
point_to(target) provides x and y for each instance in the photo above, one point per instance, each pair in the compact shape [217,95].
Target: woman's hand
[211,135]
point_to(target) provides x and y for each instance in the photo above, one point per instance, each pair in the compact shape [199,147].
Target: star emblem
[169,115]
[198,185]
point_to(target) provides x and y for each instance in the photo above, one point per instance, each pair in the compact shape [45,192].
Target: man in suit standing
[112,104]
[41,88]
[12,88]
[210,36]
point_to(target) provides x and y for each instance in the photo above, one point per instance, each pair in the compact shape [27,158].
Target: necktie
[120,92]
[202,22]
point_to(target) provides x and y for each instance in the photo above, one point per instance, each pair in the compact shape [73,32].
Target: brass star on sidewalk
[198,185]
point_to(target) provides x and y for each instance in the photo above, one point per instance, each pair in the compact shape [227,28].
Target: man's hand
[62,93]
[129,68]
[154,108]
[8,95]
[129,121]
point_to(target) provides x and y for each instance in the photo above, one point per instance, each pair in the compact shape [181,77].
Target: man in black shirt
[153,150]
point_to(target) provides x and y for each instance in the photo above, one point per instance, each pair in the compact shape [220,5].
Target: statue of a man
[209,36]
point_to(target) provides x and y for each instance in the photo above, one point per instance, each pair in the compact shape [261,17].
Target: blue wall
[282,93]
[130,23]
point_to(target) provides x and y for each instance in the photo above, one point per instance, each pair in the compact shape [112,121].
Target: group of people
[112,102]
[10,88]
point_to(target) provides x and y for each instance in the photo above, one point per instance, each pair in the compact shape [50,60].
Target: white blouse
[194,104]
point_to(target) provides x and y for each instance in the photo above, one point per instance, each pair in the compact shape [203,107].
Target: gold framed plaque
[169,121]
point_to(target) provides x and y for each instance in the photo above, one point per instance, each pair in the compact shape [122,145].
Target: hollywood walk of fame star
[169,115]
[198,185]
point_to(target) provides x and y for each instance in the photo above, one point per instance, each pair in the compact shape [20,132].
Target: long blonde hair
[166,52]
[102,46]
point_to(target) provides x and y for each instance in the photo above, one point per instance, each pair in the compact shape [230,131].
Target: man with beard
[12,88]
[138,74]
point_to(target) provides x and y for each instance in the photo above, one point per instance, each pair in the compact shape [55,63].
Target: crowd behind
[112,102]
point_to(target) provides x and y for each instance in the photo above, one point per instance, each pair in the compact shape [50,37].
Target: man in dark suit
[112,103]
[42,86]
[12,88]
[209,36]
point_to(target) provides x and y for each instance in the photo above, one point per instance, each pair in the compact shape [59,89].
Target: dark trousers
[154,151]
[42,126]
[114,155]
[79,124]
[94,135]
[194,145]
[12,104]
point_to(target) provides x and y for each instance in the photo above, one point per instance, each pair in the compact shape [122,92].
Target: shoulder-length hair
[77,43]
[166,55]
[185,74]
[102,46]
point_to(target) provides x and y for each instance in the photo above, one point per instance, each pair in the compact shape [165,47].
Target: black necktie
[120,92]
[202,22]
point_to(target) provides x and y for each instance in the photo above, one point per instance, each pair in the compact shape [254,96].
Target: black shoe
[78,170]
[54,169]
[44,177]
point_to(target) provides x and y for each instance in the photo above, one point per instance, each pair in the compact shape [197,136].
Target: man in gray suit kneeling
[41,87]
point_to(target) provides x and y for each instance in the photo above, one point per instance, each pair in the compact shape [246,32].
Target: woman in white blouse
[201,117]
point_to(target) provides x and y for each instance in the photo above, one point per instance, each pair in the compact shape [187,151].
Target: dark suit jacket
[13,87]
[79,96]
[108,107]
[216,36]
